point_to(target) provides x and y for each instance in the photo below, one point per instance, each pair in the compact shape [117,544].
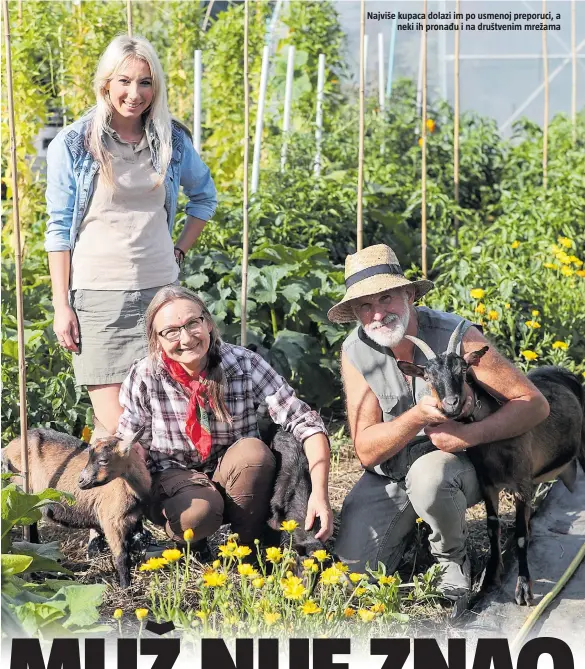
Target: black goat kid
[550,450]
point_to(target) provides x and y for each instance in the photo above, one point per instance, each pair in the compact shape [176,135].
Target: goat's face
[446,375]
[108,460]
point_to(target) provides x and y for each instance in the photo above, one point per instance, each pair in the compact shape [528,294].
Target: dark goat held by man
[549,450]
[63,462]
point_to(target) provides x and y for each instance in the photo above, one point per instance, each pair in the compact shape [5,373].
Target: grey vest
[394,394]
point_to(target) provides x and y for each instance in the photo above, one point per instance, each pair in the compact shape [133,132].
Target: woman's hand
[319,507]
[66,328]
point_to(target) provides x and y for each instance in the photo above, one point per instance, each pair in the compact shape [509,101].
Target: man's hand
[429,411]
[319,507]
[450,437]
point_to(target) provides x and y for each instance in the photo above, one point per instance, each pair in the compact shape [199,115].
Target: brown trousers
[237,493]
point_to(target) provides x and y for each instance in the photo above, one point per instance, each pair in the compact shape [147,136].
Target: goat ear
[473,358]
[410,369]
[126,444]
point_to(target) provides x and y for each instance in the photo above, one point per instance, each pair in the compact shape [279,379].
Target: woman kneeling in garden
[197,397]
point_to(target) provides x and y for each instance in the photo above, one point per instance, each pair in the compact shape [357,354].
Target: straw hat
[370,271]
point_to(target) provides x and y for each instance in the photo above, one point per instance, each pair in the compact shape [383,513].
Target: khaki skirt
[112,333]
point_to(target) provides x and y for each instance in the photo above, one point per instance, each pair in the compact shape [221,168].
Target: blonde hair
[120,50]
[215,376]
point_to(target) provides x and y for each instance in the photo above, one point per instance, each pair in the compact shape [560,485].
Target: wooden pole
[423,241]
[319,114]
[574,68]
[360,188]
[456,125]
[244,299]
[129,16]
[207,15]
[546,93]
[17,259]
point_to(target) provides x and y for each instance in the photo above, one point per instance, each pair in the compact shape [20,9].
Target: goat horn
[424,347]
[127,444]
[455,338]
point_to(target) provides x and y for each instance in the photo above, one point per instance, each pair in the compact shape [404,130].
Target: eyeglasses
[191,327]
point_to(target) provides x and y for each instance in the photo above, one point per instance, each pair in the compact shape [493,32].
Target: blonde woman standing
[113,182]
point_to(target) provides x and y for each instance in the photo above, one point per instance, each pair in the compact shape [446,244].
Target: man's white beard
[392,332]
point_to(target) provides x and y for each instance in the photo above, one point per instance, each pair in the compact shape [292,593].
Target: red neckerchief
[197,423]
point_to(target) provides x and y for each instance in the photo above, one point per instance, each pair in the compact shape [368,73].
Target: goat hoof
[523,594]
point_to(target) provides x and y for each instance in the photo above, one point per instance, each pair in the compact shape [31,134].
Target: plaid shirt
[151,398]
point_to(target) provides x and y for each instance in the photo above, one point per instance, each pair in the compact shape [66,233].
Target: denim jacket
[71,169]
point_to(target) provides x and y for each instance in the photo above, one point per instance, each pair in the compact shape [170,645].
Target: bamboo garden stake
[360,188]
[17,258]
[546,93]
[244,299]
[456,127]
[129,16]
[423,241]
[574,68]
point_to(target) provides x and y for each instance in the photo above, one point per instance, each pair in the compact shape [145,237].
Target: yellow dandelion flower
[563,257]
[294,591]
[349,612]
[153,564]
[289,525]
[331,576]
[550,265]
[431,125]
[258,582]
[273,554]
[477,293]
[118,613]
[378,607]
[355,577]
[188,535]
[507,305]
[308,564]
[86,434]
[566,242]
[535,313]
[270,579]
[320,555]
[216,564]
[310,608]
[515,244]
[534,325]
[202,614]
[242,551]
[214,579]
[529,355]
[366,616]
[172,554]
[141,614]
[567,271]
[419,521]
[560,344]
[271,617]
[227,550]
[358,592]
[386,580]
[576,261]
[580,272]
[247,570]
[493,315]
[480,308]
[420,141]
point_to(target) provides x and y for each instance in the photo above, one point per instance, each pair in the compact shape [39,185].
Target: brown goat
[63,462]
[549,450]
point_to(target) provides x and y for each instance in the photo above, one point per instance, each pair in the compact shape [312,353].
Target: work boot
[456,579]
